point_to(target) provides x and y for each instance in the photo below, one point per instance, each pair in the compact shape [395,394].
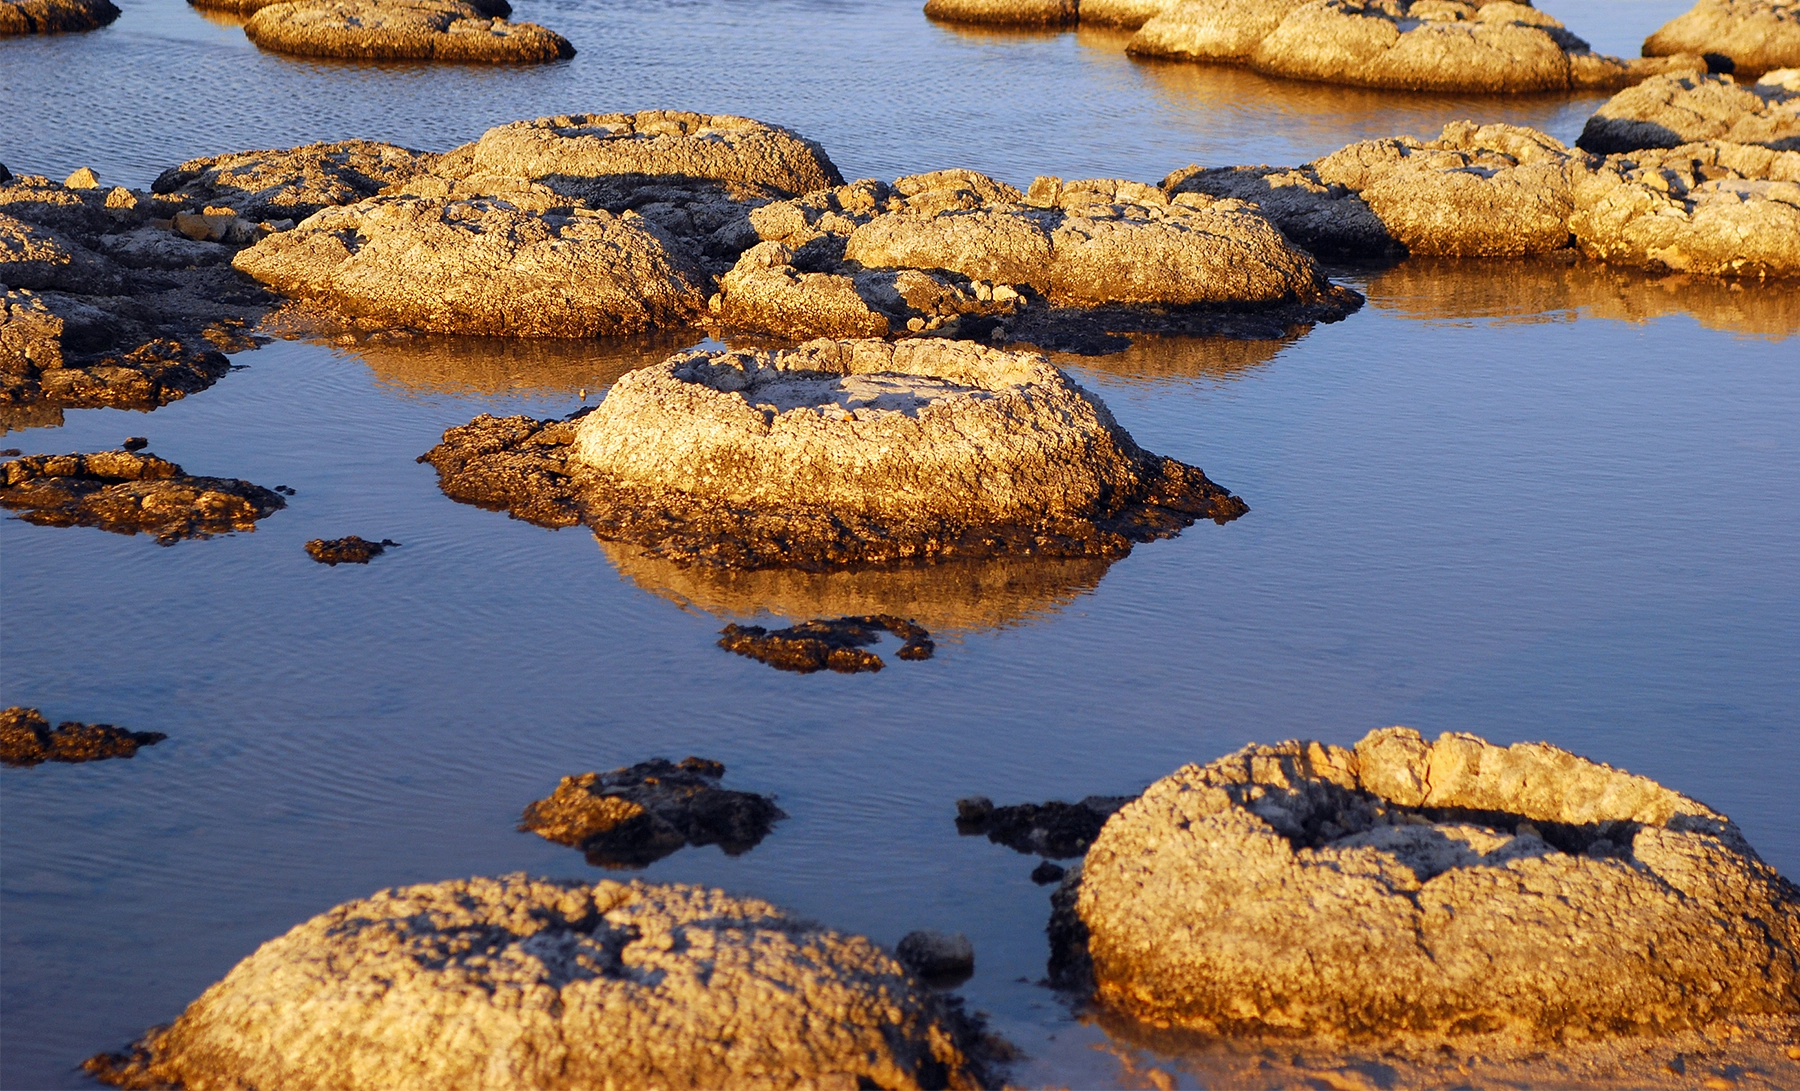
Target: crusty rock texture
[1417,45]
[1054,829]
[293,183]
[19,17]
[130,493]
[531,265]
[840,644]
[522,983]
[493,9]
[1126,14]
[402,30]
[26,738]
[1751,36]
[1455,888]
[354,549]
[1014,13]
[638,814]
[1667,111]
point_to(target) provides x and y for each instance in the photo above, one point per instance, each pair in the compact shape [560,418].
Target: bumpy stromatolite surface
[840,644]
[1419,45]
[642,813]
[293,183]
[1672,110]
[1751,36]
[402,30]
[1450,887]
[54,16]
[130,493]
[490,8]
[521,983]
[26,738]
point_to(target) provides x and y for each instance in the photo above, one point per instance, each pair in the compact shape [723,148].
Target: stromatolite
[130,493]
[638,814]
[1748,36]
[1668,111]
[402,30]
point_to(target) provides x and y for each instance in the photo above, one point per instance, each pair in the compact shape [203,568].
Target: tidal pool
[1532,501]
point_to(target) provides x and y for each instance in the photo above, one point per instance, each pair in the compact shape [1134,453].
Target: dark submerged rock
[837,645]
[27,739]
[351,550]
[939,958]
[128,493]
[1054,829]
[638,814]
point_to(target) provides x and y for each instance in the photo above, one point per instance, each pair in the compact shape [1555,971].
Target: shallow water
[1529,501]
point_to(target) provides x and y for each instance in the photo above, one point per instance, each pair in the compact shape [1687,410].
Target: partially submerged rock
[19,17]
[402,30]
[1013,13]
[350,550]
[840,644]
[1054,829]
[941,958]
[1416,45]
[1452,888]
[523,983]
[129,493]
[293,183]
[837,454]
[27,739]
[1672,110]
[638,814]
[490,8]
[1746,37]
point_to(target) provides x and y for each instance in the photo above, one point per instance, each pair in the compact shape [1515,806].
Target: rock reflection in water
[1157,359]
[1536,291]
[17,418]
[949,599]
[441,364]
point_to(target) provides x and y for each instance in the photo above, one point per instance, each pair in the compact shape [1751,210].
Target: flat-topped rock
[1451,888]
[1418,45]
[531,983]
[1125,14]
[130,493]
[1665,111]
[639,814]
[493,9]
[19,17]
[1015,13]
[1751,36]
[293,183]
[26,738]
[529,266]
[402,30]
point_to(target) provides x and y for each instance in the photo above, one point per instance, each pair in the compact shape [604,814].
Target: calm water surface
[1532,502]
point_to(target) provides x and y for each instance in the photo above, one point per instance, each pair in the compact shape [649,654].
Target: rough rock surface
[130,493]
[839,645]
[27,739]
[1014,13]
[1126,14]
[351,550]
[1453,888]
[402,30]
[531,265]
[1667,111]
[642,813]
[1054,829]
[1329,220]
[937,957]
[293,183]
[490,8]
[1750,36]
[521,983]
[54,16]
[1418,45]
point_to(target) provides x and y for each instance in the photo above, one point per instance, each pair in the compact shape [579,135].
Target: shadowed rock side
[1416,45]
[1055,829]
[293,183]
[1449,888]
[27,739]
[1747,37]
[493,9]
[1668,111]
[523,983]
[638,814]
[402,30]
[129,493]
[837,454]
[18,17]
[351,550]
[839,645]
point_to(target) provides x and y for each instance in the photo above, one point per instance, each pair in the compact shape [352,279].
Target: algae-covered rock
[402,30]
[1748,36]
[1668,111]
[641,813]
[530,983]
[130,493]
[1452,888]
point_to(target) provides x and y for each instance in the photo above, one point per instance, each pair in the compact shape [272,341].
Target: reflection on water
[949,599]
[1157,359]
[17,418]
[1453,290]
[438,364]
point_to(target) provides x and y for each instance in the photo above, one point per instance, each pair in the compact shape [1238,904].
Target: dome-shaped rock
[528,266]
[1665,111]
[525,983]
[1450,887]
[54,16]
[293,183]
[1754,36]
[401,30]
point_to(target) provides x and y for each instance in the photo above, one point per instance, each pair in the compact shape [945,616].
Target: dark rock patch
[351,550]
[839,645]
[129,493]
[26,738]
[1056,829]
[638,814]
[938,958]
[1046,873]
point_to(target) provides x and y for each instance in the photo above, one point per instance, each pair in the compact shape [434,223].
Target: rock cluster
[523,983]
[1416,45]
[18,17]
[26,738]
[402,30]
[1054,829]
[837,454]
[129,493]
[351,550]
[1667,111]
[635,815]
[839,645]
[1747,37]
[1450,888]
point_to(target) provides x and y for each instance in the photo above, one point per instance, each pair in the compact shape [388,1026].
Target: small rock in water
[351,550]
[1046,873]
[1054,829]
[937,957]
[129,493]
[638,814]
[135,443]
[820,645]
[26,739]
